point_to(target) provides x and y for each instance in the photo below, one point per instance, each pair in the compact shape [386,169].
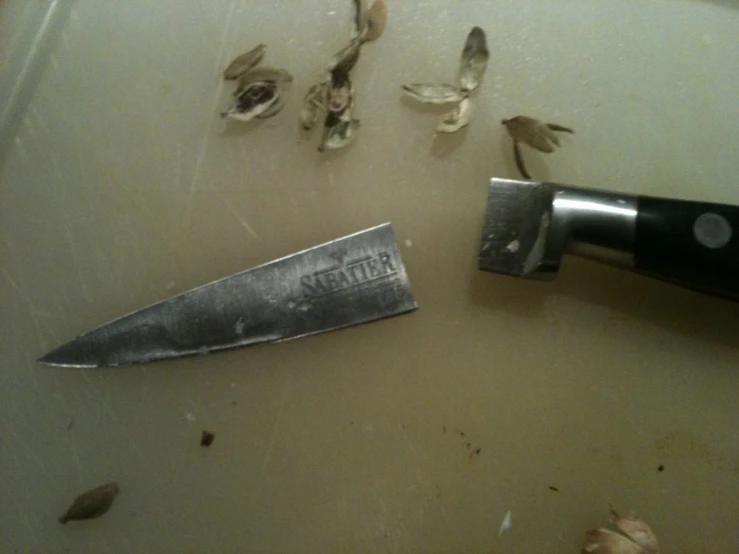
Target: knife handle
[693,244]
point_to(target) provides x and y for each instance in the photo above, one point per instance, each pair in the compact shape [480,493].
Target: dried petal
[91,504]
[474,60]
[605,541]
[457,118]
[376,21]
[636,530]
[253,101]
[243,63]
[433,94]
[266,73]
[340,134]
[314,102]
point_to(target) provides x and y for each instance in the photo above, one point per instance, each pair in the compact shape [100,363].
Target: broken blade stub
[352,280]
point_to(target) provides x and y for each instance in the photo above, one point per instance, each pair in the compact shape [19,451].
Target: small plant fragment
[472,65]
[376,21]
[243,63]
[434,94]
[534,133]
[260,90]
[637,537]
[207,438]
[333,96]
[457,118]
[91,504]
[314,103]
[475,56]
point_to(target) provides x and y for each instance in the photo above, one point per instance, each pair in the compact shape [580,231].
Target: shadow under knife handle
[693,244]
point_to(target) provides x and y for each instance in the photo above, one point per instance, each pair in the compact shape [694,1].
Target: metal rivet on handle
[712,230]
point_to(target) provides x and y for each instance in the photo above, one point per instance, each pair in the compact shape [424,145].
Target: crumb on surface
[206,438]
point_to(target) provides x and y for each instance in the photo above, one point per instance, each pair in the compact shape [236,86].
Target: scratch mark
[109,409]
[30,526]
[230,19]
[20,445]
[240,219]
[32,311]
[73,250]
[76,459]
[275,427]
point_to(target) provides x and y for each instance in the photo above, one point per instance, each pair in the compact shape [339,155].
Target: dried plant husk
[243,63]
[457,118]
[254,100]
[474,60]
[91,504]
[433,94]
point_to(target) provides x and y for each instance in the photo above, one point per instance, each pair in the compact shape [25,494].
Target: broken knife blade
[530,226]
[352,280]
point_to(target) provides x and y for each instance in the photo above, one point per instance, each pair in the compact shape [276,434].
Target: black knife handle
[694,244]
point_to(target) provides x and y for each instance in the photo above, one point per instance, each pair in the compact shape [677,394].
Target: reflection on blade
[351,280]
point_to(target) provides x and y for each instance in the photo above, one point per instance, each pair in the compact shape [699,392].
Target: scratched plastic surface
[121,186]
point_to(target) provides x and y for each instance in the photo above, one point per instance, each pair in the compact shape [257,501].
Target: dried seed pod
[253,101]
[344,60]
[92,503]
[458,118]
[638,531]
[376,21]
[360,18]
[605,541]
[266,73]
[535,133]
[433,94]
[339,135]
[639,537]
[474,60]
[314,102]
[243,63]
[274,109]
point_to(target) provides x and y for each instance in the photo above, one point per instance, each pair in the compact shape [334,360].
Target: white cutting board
[120,186]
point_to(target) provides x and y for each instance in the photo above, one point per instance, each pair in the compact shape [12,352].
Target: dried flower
[474,60]
[92,503]
[639,537]
[457,118]
[472,65]
[433,94]
[243,63]
[534,133]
